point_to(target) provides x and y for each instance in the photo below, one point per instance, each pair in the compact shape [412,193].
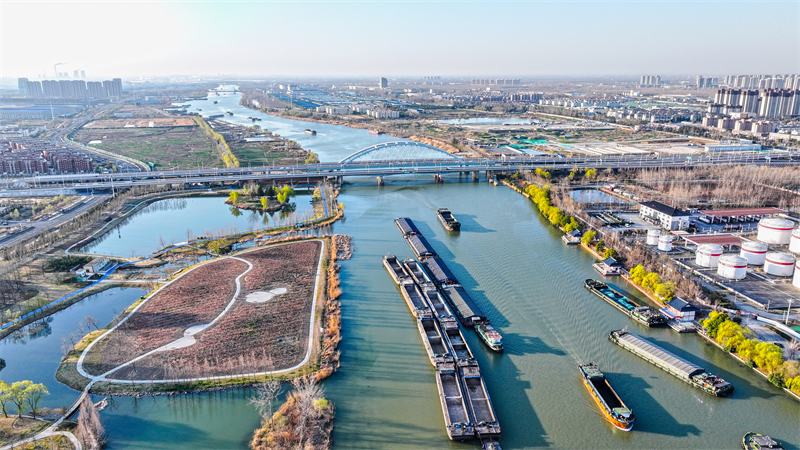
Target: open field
[154,122]
[253,336]
[194,299]
[173,147]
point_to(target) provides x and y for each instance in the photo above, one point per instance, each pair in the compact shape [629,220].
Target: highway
[385,168]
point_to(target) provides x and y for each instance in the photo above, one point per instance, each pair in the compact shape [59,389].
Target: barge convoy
[448,220]
[682,369]
[606,398]
[641,314]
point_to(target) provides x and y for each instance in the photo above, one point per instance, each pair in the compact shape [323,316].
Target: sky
[399,38]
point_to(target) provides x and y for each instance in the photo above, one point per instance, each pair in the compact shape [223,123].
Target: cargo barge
[454,408]
[416,304]
[434,341]
[682,369]
[420,246]
[418,274]
[606,398]
[440,273]
[448,220]
[755,441]
[484,418]
[467,312]
[641,314]
[396,271]
[406,226]
[438,306]
[458,345]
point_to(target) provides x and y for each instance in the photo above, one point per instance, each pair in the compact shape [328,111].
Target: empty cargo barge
[406,226]
[396,271]
[434,341]
[438,306]
[682,369]
[484,418]
[416,272]
[606,398]
[416,303]
[454,408]
[641,314]
[448,220]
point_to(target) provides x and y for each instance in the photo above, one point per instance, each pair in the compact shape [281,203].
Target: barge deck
[456,416]
[680,368]
[414,269]
[434,341]
[484,418]
[414,300]
[396,271]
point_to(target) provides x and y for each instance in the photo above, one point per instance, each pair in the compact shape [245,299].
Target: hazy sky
[399,38]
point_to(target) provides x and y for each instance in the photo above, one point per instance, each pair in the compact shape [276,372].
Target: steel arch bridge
[400,151]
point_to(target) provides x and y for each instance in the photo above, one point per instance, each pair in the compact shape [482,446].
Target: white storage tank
[732,267]
[796,281]
[652,237]
[779,264]
[794,241]
[665,242]
[754,252]
[708,255]
[774,230]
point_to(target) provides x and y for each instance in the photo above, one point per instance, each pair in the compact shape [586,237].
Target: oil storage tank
[708,255]
[796,281]
[732,267]
[794,241]
[774,230]
[652,237]
[665,242]
[779,264]
[754,252]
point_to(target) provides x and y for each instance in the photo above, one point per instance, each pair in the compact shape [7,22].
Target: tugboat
[755,441]
[613,408]
[641,314]
[490,336]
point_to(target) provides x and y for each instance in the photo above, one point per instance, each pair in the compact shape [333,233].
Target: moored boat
[682,369]
[310,131]
[604,395]
[490,336]
[448,220]
[642,314]
[375,132]
[755,441]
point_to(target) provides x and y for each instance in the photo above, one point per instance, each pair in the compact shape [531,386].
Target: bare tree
[265,394]
[91,322]
[90,429]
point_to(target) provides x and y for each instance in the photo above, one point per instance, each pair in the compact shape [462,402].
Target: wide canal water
[531,287]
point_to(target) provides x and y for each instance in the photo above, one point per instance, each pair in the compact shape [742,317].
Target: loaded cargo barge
[641,314]
[406,226]
[420,246]
[606,398]
[682,369]
[448,220]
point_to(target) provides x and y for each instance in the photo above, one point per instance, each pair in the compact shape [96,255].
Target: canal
[528,283]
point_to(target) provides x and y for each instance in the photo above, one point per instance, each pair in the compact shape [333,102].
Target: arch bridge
[401,151]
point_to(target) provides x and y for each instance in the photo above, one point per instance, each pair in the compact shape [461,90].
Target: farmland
[194,299]
[265,329]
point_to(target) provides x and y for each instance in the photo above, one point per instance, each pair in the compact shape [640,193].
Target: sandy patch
[261,296]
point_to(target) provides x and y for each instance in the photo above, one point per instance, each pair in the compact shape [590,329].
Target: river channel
[531,287]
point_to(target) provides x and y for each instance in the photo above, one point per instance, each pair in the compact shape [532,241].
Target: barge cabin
[680,368]
[406,226]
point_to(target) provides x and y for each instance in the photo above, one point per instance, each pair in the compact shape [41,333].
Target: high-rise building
[383,83]
[96,89]
[650,80]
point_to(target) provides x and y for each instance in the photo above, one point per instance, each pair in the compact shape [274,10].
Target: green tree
[610,253]
[313,158]
[714,320]
[588,237]
[234,197]
[5,397]
[746,348]
[33,395]
[264,202]
[650,281]
[19,394]
[591,173]
[600,247]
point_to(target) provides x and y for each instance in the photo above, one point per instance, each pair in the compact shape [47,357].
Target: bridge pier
[475,176]
[380,181]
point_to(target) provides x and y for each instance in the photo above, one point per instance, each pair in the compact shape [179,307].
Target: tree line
[21,394]
[226,154]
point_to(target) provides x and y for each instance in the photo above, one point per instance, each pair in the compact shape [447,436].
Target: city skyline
[399,39]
